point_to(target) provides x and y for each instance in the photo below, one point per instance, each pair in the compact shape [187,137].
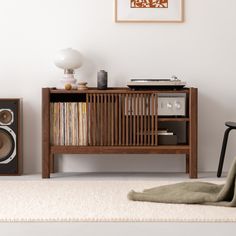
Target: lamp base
[67,81]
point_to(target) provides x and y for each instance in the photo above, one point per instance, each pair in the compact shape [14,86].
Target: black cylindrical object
[102,79]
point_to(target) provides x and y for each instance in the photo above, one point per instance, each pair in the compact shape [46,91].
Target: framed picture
[149,11]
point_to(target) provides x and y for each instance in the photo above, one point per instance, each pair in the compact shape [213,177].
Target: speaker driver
[6,117]
[7,146]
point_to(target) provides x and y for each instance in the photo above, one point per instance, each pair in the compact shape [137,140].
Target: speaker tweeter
[6,116]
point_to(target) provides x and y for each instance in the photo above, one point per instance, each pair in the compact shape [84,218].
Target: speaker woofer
[6,117]
[7,145]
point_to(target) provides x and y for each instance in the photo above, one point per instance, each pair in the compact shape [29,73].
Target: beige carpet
[96,201]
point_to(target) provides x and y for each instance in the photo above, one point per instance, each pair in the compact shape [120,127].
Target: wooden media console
[116,121]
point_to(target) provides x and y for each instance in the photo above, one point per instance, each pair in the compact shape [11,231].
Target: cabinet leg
[46,172]
[52,166]
[193,165]
[187,163]
[193,97]
[46,167]
[45,133]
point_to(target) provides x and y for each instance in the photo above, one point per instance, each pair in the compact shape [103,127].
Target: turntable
[156,83]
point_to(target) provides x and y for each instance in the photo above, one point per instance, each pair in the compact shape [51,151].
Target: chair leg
[222,155]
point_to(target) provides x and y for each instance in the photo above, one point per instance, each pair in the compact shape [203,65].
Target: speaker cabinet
[10,137]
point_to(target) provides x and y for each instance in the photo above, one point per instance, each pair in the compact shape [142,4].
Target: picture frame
[149,11]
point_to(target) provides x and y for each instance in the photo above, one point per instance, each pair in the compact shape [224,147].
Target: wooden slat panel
[130,119]
[101,119]
[138,119]
[123,118]
[120,119]
[116,108]
[112,119]
[109,119]
[127,118]
[98,120]
[90,120]
[153,117]
[134,119]
[156,119]
[141,126]
[149,120]
[145,119]
[87,118]
[94,119]
[105,120]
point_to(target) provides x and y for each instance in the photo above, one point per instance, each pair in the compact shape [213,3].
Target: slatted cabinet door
[118,119]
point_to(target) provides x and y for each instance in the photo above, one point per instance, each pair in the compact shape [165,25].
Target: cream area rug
[96,201]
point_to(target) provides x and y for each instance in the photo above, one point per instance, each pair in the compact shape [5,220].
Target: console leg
[193,97]
[193,165]
[45,133]
[46,168]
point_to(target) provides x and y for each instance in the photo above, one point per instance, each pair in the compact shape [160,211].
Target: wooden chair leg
[223,149]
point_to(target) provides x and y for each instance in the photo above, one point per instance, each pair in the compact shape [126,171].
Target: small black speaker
[10,137]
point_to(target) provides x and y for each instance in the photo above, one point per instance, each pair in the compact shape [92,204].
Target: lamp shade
[68,59]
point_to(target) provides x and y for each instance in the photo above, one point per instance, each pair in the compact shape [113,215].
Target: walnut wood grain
[121,121]
[193,113]
[162,149]
[120,90]
[46,133]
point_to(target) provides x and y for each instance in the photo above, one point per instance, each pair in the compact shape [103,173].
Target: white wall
[200,51]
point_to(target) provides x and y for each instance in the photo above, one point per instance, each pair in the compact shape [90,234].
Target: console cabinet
[116,121]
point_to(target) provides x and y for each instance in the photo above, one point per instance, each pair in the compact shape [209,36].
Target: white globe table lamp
[68,60]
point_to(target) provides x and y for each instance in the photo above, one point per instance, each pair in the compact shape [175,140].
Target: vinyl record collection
[68,123]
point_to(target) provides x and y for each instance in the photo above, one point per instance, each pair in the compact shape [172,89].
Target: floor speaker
[10,137]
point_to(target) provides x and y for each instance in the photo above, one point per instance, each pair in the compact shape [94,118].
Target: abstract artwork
[149,11]
[149,3]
